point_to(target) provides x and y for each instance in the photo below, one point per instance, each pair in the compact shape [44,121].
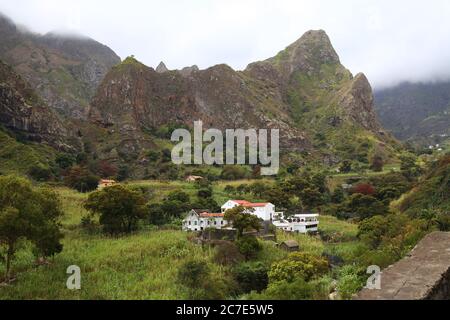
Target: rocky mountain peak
[358,102]
[161,68]
[307,54]
[64,70]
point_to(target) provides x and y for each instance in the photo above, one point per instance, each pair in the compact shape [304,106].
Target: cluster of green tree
[28,214]
[122,209]
[300,276]
[78,171]
[306,191]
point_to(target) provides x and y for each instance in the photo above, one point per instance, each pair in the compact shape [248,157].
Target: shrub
[298,289]
[227,253]
[249,246]
[251,276]
[201,283]
[193,273]
[40,173]
[348,285]
[298,265]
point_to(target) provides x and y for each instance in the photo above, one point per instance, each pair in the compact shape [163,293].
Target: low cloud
[390,41]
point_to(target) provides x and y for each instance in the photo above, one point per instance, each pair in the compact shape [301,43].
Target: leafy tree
[249,246]
[364,206]
[310,188]
[409,166]
[338,195]
[251,276]
[371,231]
[202,284]
[82,158]
[278,197]
[234,172]
[123,172]
[40,173]
[156,215]
[30,214]
[204,193]
[65,161]
[258,189]
[180,196]
[81,179]
[298,265]
[364,188]
[106,169]
[119,208]
[242,219]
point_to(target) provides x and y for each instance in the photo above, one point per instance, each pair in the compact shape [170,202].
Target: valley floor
[140,266]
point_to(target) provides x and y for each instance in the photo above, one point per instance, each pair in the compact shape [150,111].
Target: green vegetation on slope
[17,157]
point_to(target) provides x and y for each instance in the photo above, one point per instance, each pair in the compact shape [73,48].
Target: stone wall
[423,275]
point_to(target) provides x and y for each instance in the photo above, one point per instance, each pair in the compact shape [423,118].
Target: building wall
[195,223]
[266,213]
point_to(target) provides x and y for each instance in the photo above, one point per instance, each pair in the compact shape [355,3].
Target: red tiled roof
[211,215]
[248,204]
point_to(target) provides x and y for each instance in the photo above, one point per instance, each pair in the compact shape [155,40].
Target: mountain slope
[304,91]
[416,112]
[31,134]
[64,70]
[23,112]
[432,193]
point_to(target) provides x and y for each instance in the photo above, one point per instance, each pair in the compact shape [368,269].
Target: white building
[300,223]
[264,211]
[199,220]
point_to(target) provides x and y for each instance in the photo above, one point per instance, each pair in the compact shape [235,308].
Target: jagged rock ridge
[64,70]
[302,91]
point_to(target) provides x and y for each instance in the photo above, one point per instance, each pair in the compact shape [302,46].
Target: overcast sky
[389,40]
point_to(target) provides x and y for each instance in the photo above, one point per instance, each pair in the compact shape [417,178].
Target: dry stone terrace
[423,275]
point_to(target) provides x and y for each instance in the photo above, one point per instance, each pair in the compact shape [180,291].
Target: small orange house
[106,183]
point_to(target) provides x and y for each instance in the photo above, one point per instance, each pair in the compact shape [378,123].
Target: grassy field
[140,266]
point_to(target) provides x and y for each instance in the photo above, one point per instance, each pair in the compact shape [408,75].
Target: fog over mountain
[391,41]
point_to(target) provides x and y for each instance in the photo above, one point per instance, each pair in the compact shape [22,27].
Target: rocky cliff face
[136,98]
[302,91]
[64,70]
[23,112]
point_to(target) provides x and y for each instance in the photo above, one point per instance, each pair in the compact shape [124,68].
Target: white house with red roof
[202,219]
[263,210]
